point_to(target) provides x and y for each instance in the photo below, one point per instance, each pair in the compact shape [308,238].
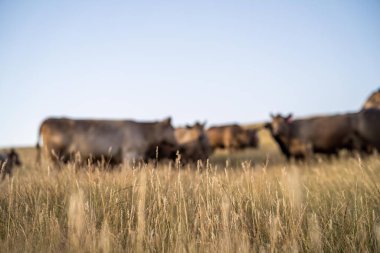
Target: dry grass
[236,206]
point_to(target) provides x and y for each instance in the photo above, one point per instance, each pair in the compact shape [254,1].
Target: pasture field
[251,201]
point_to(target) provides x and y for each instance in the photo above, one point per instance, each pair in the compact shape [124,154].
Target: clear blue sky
[220,61]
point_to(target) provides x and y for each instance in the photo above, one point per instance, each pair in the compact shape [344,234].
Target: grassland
[251,201]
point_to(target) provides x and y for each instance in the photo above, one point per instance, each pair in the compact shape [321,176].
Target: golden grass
[329,206]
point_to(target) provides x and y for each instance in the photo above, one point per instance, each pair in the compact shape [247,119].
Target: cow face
[280,125]
[198,133]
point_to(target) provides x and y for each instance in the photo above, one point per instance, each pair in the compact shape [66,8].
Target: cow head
[14,158]
[198,133]
[279,125]
[194,141]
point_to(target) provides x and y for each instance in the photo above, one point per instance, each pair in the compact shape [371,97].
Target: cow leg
[59,157]
[51,157]
[334,154]
[10,173]
[4,169]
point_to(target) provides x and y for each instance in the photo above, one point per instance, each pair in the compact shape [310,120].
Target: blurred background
[220,61]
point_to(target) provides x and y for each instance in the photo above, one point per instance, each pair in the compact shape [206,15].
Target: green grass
[254,202]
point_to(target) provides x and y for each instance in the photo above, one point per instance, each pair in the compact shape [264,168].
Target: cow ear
[188,126]
[167,121]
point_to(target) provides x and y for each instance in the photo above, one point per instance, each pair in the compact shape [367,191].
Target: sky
[214,61]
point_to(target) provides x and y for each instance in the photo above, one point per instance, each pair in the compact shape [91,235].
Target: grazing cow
[325,134]
[114,140]
[230,137]
[367,129]
[373,101]
[192,142]
[7,161]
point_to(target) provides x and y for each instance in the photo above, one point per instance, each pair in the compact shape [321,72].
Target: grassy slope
[262,205]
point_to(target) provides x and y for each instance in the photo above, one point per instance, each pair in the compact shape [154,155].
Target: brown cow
[373,101]
[230,137]
[193,142]
[7,161]
[324,134]
[116,140]
[193,145]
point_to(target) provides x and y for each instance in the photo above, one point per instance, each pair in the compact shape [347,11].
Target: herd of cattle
[118,141]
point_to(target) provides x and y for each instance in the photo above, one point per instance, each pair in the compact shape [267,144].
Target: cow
[8,160]
[253,138]
[323,134]
[373,102]
[192,142]
[116,141]
[230,137]
[367,129]
[161,151]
